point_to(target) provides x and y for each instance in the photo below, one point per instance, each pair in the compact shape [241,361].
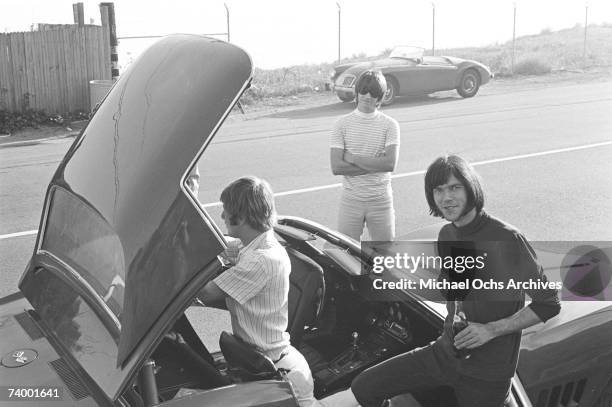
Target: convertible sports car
[124,247]
[408,72]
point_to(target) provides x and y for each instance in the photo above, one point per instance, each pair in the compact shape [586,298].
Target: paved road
[545,156]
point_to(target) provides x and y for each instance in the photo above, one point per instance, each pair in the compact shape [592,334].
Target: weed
[28,117]
[532,66]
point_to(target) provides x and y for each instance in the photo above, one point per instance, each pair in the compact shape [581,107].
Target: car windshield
[407,52]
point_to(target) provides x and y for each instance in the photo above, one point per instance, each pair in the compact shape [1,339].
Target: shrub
[532,66]
[11,121]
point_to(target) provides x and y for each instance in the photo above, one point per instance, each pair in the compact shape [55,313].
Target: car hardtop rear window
[77,235]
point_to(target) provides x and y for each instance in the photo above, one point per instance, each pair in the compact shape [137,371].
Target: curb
[33,141]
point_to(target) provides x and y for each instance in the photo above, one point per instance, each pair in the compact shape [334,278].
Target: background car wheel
[470,82]
[345,98]
[392,89]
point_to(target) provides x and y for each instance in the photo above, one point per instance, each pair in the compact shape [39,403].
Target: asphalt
[293,105]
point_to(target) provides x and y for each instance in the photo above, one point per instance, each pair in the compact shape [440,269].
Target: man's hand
[340,166]
[474,335]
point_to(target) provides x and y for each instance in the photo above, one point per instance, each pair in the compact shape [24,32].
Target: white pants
[346,398]
[378,214]
[299,376]
[343,398]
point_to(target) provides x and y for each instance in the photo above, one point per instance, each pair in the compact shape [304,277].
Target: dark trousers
[425,371]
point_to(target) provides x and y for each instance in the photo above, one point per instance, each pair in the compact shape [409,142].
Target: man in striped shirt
[364,149]
[256,288]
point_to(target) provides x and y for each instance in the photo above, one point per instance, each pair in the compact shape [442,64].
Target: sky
[279,33]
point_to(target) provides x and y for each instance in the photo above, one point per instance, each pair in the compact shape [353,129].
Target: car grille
[71,380]
[348,80]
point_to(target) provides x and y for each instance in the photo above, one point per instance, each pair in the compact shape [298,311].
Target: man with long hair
[477,362]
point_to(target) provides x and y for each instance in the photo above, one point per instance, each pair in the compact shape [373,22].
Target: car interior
[337,326]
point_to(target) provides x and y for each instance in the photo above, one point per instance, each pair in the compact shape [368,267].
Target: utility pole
[433,28]
[227,17]
[513,39]
[107,10]
[228,21]
[584,53]
[78,14]
[339,19]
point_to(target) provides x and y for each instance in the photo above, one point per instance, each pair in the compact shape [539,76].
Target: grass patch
[558,50]
[287,82]
[532,66]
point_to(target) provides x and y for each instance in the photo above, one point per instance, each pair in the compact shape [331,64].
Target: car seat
[306,294]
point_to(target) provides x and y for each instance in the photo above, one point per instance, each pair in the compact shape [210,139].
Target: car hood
[29,361]
[126,170]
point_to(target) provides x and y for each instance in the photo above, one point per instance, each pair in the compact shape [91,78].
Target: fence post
[584,53]
[78,13]
[339,31]
[110,22]
[227,17]
[513,39]
[433,29]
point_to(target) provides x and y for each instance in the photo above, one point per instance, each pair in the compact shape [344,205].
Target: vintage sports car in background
[408,72]
[124,247]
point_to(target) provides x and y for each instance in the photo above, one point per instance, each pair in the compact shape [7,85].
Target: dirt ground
[308,100]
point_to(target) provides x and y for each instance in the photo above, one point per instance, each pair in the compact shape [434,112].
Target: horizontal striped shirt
[366,134]
[258,290]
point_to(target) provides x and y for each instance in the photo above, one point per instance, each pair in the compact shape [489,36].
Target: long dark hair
[372,82]
[439,172]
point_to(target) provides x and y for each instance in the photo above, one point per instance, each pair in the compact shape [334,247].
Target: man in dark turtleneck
[479,361]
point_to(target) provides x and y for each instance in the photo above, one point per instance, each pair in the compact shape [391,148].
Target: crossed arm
[345,163]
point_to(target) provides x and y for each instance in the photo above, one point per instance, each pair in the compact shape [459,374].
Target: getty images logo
[586,272]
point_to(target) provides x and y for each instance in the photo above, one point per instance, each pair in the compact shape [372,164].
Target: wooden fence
[50,69]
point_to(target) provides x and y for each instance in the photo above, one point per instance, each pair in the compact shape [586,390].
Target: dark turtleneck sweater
[508,256]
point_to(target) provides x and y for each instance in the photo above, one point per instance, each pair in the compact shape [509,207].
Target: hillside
[549,50]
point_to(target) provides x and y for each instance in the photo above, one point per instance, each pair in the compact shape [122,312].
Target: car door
[436,74]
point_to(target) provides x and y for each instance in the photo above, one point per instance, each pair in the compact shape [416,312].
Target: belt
[280,357]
